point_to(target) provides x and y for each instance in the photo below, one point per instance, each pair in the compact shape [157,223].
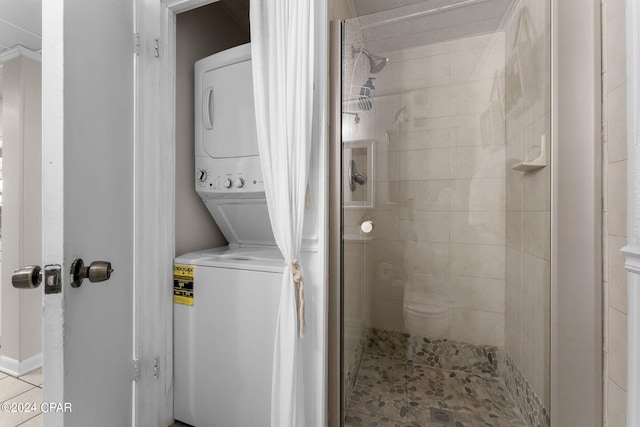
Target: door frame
[155,36]
[576,214]
[155,174]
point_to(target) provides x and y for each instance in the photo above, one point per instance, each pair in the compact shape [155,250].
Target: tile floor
[394,391]
[26,389]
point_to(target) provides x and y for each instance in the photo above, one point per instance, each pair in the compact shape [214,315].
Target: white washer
[223,343]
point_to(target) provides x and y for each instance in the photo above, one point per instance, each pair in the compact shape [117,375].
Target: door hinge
[157,48]
[136,43]
[135,369]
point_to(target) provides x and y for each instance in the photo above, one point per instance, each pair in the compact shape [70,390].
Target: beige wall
[528,257]
[614,98]
[200,33]
[22,206]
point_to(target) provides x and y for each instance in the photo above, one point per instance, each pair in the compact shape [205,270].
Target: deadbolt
[97,271]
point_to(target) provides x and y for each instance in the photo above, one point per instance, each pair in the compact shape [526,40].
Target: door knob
[28,277]
[31,276]
[97,271]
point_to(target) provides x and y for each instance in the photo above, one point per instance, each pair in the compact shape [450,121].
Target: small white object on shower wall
[537,163]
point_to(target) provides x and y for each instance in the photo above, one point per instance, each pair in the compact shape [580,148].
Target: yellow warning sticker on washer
[183,284]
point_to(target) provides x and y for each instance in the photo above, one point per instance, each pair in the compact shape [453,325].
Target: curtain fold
[282,58]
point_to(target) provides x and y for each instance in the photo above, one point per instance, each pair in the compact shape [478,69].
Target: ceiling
[20,24]
[389,25]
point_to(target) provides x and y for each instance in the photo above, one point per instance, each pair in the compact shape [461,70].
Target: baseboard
[16,368]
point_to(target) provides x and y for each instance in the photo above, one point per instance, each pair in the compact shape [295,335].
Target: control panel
[224,176]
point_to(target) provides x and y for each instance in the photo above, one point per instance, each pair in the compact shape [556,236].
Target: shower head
[376,63]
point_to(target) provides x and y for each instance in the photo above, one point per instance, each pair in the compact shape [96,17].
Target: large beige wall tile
[424,164]
[479,194]
[536,191]
[515,193]
[536,279]
[478,227]
[420,52]
[481,63]
[474,42]
[387,225]
[513,268]
[618,347]
[514,230]
[536,369]
[513,323]
[430,258]
[475,96]
[386,314]
[424,139]
[617,198]
[617,274]
[533,323]
[354,281]
[478,162]
[478,261]
[386,168]
[429,289]
[616,405]
[616,43]
[429,195]
[424,72]
[427,103]
[483,129]
[477,327]
[536,234]
[481,294]
[426,227]
[617,124]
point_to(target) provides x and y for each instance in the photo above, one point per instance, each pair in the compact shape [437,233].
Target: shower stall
[446,214]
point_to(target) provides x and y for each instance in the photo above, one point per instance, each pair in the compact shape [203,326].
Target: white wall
[21,214]
[199,33]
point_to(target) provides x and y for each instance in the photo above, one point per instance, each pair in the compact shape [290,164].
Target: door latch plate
[52,279]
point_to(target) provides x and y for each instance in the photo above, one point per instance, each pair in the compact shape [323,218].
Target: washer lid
[268,259]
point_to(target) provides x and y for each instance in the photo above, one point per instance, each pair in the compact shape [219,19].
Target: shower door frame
[576,364]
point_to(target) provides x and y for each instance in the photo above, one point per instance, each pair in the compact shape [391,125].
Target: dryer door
[228,121]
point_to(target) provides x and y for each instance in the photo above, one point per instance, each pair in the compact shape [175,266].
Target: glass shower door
[446,214]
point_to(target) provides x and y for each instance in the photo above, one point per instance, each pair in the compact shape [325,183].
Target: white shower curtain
[282,57]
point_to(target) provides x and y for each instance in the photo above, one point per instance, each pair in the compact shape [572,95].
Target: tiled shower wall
[527,107]
[614,98]
[439,200]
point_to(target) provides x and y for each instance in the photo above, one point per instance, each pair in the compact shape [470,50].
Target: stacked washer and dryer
[226,299]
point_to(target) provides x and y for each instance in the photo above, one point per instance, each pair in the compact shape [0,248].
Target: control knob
[202,175]
[240,182]
[228,183]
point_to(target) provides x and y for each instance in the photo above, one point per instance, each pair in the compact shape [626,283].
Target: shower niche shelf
[537,163]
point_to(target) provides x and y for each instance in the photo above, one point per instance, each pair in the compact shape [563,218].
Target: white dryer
[226,299]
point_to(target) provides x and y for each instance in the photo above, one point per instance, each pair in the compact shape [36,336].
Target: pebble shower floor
[408,381]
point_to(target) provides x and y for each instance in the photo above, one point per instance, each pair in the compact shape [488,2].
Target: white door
[88,208]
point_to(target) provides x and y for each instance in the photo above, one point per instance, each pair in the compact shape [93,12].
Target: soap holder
[537,163]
